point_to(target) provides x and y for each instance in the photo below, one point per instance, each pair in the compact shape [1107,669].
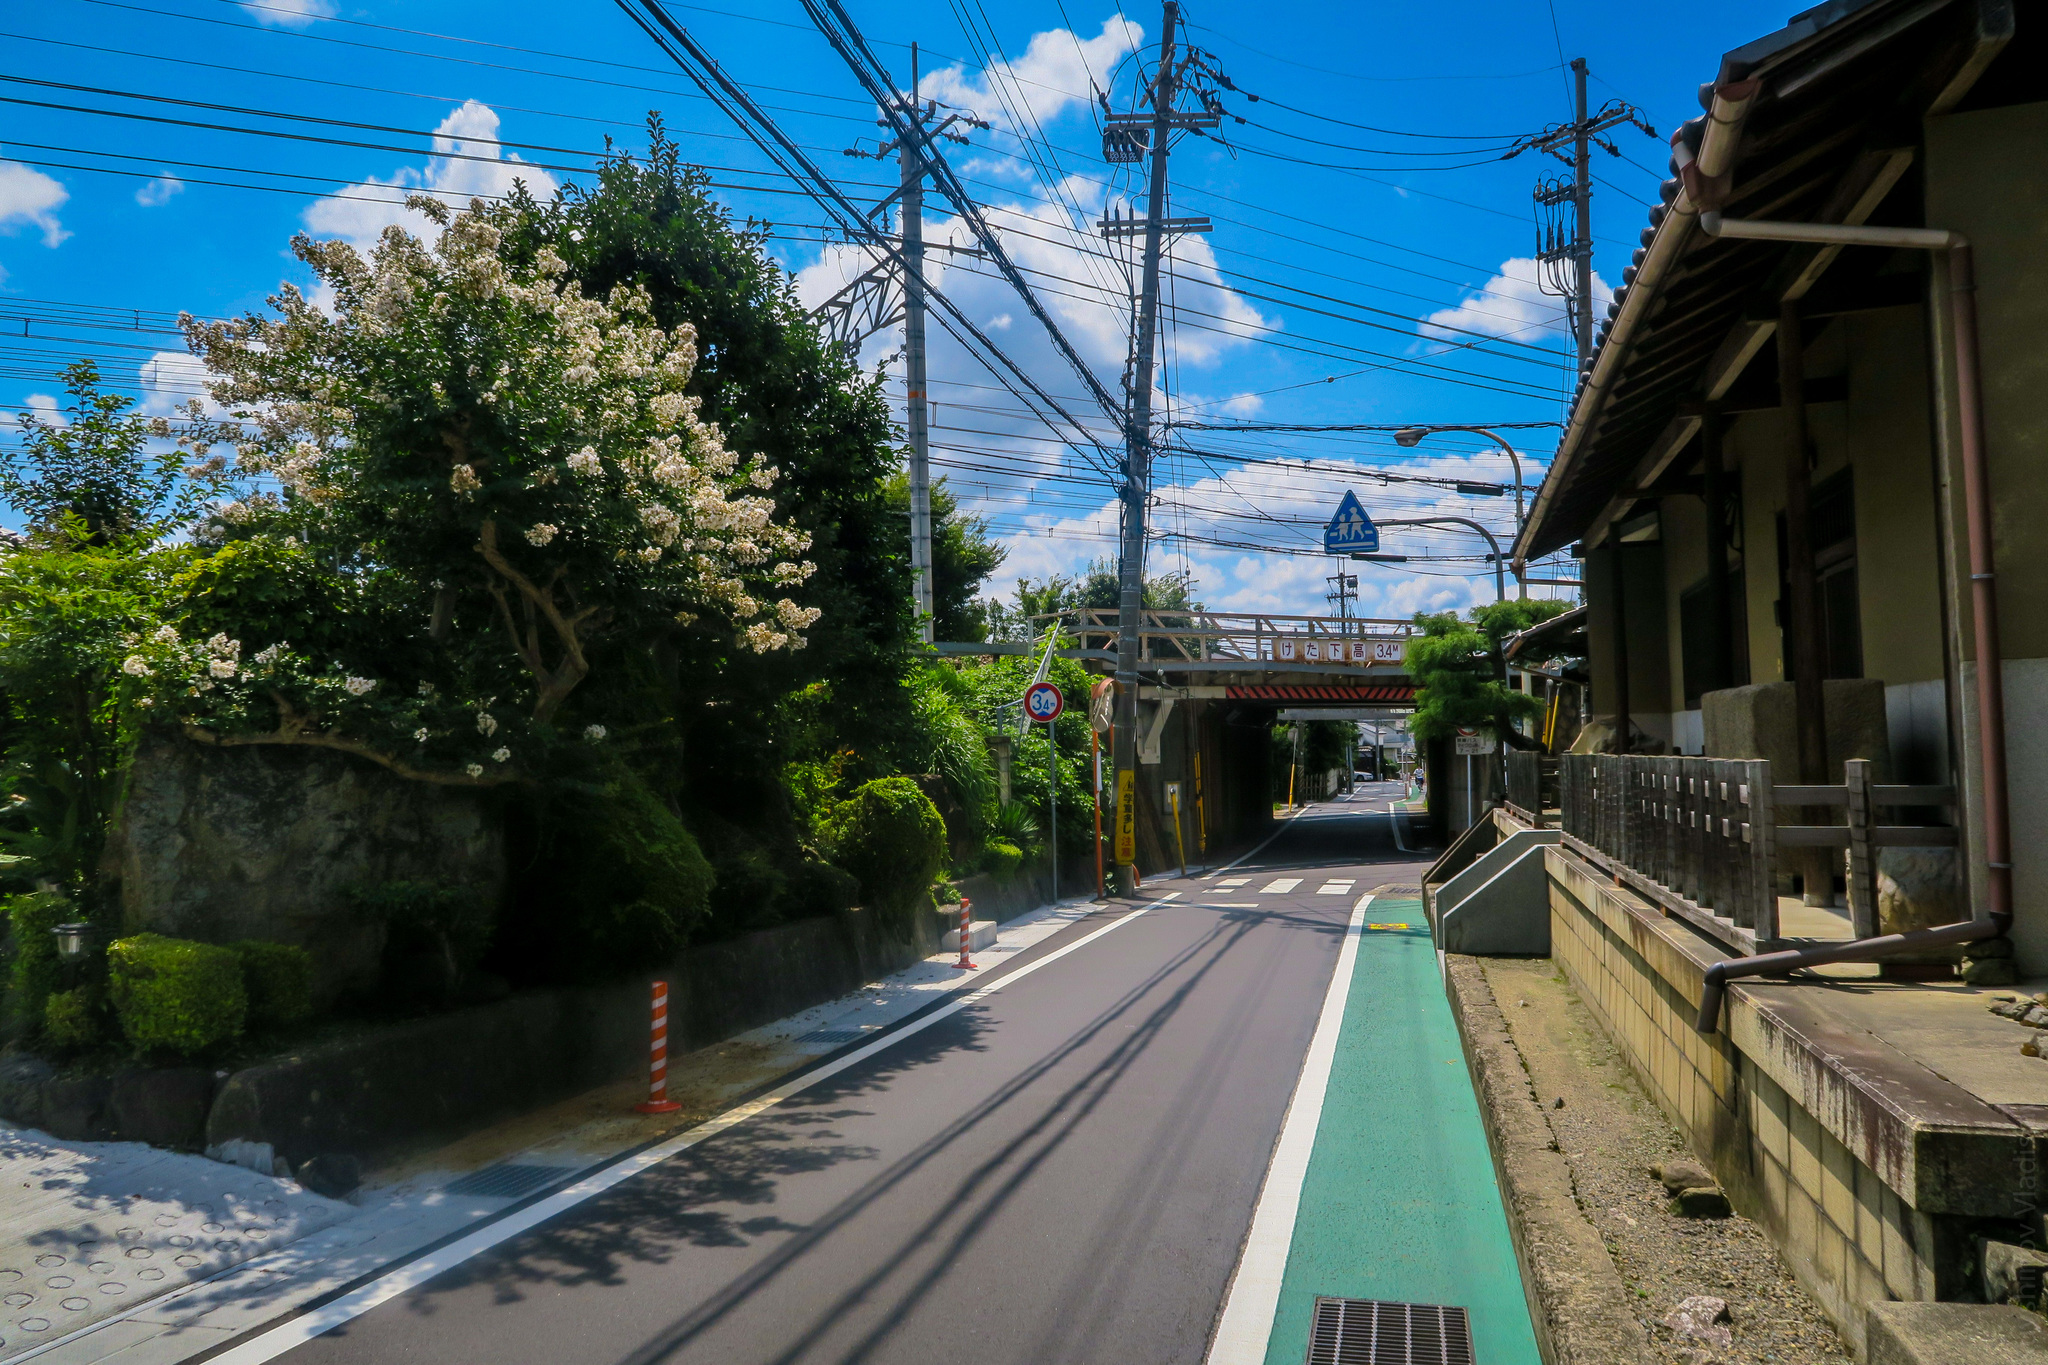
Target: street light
[71,941]
[1410,437]
[1500,585]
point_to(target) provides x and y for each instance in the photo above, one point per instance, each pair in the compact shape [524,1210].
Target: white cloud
[1057,70]
[171,379]
[291,13]
[158,192]
[27,196]
[46,407]
[1511,304]
[374,204]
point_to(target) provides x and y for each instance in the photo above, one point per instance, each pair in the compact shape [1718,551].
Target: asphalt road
[1063,1172]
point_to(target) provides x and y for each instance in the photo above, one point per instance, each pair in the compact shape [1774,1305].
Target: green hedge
[891,837]
[1000,859]
[71,1019]
[277,978]
[172,995]
[36,971]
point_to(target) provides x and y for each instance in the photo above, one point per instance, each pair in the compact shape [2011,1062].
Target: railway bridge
[1210,686]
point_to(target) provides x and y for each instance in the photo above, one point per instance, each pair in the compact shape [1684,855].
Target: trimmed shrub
[1001,860]
[36,971]
[278,980]
[71,1019]
[893,840]
[174,995]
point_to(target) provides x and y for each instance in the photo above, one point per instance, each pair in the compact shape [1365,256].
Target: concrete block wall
[1849,1237]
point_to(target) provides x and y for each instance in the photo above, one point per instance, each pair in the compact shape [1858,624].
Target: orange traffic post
[966,933]
[657,1101]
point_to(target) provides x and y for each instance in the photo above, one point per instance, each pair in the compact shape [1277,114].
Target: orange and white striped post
[657,1101]
[966,933]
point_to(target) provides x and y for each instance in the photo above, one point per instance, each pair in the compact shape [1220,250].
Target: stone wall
[263,842]
[1870,1176]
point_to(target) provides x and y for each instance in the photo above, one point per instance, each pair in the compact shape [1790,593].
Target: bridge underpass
[1211,685]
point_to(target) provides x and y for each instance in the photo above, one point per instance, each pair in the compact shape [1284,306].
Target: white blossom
[221,668]
[649,553]
[486,724]
[420,735]
[426,689]
[474,769]
[221,647]
[270,654]
[585,462]
[540,533]
[500,755]
[359,687]
[135,666]
[165,635]
[464,480]
[594,733]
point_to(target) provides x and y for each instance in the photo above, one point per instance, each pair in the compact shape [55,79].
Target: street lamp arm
[1413,435]
[1500,587]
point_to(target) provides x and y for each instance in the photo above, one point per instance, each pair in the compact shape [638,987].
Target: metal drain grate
[508,1181]
[1397,891]
[1369,1332]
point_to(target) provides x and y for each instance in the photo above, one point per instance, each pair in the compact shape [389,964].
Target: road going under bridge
[1210,685]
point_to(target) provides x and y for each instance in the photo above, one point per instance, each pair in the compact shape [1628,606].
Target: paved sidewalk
[285,1247]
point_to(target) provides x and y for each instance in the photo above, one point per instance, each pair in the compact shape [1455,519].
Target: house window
[1833,524]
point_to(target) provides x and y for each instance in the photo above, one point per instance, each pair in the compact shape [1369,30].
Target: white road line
[413,1274]
[1259,848]
[1229,882]
[1281,887]
[1394,817]
[1246,1326]
[1342,888]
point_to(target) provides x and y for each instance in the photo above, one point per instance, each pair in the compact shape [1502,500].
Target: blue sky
[1357,273]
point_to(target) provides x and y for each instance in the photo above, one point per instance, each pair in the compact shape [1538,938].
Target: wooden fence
[1702,837]
[1532,786]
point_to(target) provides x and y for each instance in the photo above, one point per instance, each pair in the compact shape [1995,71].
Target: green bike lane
[1386,1167]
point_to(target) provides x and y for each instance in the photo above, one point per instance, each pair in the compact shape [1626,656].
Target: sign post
[1471,743]
[1101,712]
[1351,531]
[1180,846]
[1043,702]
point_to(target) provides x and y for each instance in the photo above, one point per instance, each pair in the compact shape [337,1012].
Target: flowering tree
[464,422]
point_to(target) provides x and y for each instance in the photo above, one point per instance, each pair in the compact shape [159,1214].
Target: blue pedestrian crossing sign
[1351,531]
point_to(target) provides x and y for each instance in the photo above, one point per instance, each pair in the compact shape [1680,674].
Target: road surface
[1064,1170]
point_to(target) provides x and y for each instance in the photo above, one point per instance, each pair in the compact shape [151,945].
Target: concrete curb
[1582,1312]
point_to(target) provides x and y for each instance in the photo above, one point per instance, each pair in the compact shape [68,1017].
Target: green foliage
[73,1020]
[962,558]
[1000,859]
[616,882]
[176,996]
[434,936]
[890,837]
[953,745]
[998,689]
[92,481]
[36,971]
[1098,587]
[278,980]
[1458,674]
[1321,746]
[1012,822]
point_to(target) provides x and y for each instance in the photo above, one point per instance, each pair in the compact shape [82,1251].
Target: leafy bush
[892,839]
[71,1019]
[36,970]
[434,936]
[278,979]
[1001,860]
[173,995]
[1013,823]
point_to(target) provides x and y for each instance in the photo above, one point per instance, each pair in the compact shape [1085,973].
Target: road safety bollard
[657,1101]
[966,933]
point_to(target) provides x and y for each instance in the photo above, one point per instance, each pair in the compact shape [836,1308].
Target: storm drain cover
[1370,1332]
[508,1180]
[832,1037]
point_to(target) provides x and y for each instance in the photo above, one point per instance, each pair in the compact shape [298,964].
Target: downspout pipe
[1962,304]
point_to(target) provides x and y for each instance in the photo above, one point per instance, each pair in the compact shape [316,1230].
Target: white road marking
[1281,887]
[1395,816]
[1342,888]
[1233,881]
[1246,1326]
[413,1274]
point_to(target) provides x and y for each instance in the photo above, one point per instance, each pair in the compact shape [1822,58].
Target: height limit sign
[1043,702]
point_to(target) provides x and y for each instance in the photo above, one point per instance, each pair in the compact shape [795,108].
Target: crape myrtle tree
[484,435]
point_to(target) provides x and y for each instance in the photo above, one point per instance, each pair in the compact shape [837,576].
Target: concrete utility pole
[1138,439]
[1582,181]
[911,163]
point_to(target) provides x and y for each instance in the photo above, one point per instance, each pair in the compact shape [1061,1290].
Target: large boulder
[264,842]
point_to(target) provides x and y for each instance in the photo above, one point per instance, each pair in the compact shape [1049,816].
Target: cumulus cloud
[1057,71]
[158,192]
[30,198]
[374,204]
[171,379]
[290,13]
[1511,304]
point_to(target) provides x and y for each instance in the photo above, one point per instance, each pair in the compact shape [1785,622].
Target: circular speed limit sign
[1043,702]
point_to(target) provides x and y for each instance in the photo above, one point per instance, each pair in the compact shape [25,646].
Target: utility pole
[1127,138]
[1343,591]
[910,162]
[911,166]
[1564,207]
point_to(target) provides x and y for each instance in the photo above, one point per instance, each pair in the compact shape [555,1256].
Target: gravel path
[1611,1132]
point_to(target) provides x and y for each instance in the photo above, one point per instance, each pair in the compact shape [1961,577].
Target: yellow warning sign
[1126,816]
